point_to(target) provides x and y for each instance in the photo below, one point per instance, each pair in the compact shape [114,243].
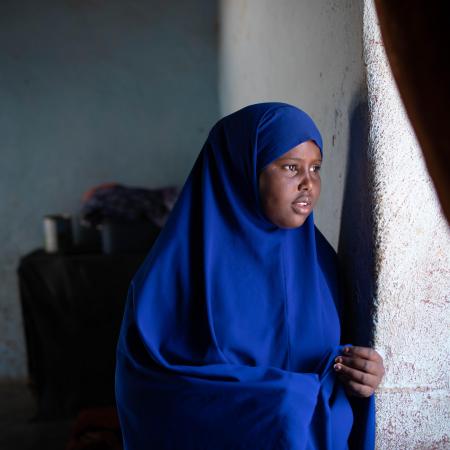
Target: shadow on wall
[355,250]
[91,92]
[94,92]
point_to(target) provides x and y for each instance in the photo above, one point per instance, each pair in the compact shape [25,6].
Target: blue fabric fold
[232,324]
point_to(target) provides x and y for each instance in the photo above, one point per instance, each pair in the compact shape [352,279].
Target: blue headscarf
[232,323]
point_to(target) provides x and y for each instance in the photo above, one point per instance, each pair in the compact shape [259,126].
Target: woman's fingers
[358,376]
[362,364]
[363,352]
[357,389]
[364,358]
[360,369]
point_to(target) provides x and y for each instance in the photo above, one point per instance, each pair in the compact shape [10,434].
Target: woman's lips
[302,206]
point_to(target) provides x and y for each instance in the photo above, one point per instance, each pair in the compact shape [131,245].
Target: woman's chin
[295,221]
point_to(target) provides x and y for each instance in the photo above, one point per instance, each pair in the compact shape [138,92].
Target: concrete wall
[90,92]
[412,270]
[308,53]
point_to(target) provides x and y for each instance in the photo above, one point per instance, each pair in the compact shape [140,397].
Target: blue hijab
[232,323]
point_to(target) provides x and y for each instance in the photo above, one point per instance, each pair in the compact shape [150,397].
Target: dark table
[72,308]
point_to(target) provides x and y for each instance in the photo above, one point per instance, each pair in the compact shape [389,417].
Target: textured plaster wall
[412,270]
[91,92]
[308,53]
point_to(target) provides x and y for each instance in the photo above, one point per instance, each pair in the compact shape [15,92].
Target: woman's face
[290,186]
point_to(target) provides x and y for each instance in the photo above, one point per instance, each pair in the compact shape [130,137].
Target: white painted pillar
[412,270]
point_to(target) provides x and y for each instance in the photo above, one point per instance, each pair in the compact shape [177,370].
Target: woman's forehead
[285,129]
[306,150]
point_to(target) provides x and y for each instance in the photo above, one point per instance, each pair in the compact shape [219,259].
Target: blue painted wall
[93,91]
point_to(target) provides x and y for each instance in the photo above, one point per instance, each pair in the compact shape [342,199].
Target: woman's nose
[305,182]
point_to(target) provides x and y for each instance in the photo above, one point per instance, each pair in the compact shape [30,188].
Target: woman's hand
[360,369]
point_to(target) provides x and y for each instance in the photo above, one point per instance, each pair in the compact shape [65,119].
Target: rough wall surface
[93,92]
[308,53]
[412,270]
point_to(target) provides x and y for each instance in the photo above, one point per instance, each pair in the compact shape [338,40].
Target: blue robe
[232,323]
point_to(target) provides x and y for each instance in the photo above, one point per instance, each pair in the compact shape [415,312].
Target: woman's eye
[316,168]
[291,167]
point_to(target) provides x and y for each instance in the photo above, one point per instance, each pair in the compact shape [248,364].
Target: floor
[18,431]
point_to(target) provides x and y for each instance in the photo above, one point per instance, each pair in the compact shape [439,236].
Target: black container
[86,238]
[132,237]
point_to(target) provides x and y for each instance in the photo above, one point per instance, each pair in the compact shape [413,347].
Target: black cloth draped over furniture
[72,308]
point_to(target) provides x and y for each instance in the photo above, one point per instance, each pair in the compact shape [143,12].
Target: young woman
[231,334]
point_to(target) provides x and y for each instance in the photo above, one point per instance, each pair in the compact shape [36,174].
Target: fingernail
[337,367]
[346,349]
[338,359]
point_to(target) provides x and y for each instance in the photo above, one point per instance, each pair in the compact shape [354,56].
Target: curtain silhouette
[416,37]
